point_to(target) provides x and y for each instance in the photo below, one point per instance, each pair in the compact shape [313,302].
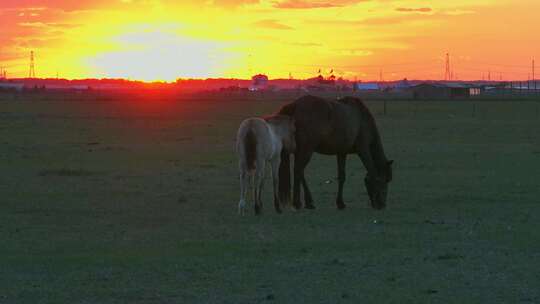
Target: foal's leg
[244,183]
[258,185]
[341,159]
[275,179]
[301,159]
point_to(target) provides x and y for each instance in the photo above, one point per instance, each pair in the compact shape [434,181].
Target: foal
[261,140]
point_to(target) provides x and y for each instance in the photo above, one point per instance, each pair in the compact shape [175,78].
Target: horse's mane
[377,148]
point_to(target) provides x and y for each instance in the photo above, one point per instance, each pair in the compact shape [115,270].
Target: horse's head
[377,186]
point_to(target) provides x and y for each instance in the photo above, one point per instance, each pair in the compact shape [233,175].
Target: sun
[160,55]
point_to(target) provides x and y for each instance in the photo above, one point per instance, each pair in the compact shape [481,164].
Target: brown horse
[337,128]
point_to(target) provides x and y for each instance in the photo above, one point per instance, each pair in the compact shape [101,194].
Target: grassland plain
[135,202]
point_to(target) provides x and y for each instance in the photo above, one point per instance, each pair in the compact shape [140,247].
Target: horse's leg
[285,177]
[244,182]
[308,199]
[341,159]
[275,179]
[258,183]
[300,162]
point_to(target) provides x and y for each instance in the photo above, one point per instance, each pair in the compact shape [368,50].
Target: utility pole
[380,75]
[533,79]
[32,73]
[447,73]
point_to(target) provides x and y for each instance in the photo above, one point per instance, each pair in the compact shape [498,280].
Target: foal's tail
[285,178]
[250,146]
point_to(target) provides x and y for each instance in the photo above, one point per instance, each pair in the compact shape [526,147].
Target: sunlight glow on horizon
[156,55]
[165,40]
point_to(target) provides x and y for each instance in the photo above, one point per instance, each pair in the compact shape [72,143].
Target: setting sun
[159,55]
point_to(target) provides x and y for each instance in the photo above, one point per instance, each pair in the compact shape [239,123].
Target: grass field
[135,202]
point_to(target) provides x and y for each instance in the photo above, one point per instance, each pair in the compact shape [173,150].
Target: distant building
[66,87]
[403,85]
[258,82]
[11,86]
[320,84]
[426,91]
[366,86]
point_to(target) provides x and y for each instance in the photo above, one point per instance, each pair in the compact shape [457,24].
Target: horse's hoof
[341,206]
[309,206]
[257,210]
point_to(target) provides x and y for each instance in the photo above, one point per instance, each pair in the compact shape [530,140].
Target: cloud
[306,44]
[48,24]
[393,20]
[310,4]
[65,5]
[38,43]
[414,10]
[10,56]
[353,52]
[272,24]
[459,12]
[232,3]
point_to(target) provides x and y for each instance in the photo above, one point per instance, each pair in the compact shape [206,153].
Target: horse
[258,141]
[340,127]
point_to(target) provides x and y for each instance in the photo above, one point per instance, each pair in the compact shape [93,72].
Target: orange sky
[165,39]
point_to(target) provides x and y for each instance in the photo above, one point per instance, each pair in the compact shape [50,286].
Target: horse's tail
[250,146]
[285,178]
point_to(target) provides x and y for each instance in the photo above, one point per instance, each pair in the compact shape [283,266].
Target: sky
[356,39]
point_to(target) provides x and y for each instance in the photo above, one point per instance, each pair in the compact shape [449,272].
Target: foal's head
[285,129]
[377,186]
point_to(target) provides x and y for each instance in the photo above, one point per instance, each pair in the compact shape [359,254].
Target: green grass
[131,202]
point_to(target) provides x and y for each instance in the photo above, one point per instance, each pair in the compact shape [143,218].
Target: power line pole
[533,79]
[447,73]
[32,73]
[380,75]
